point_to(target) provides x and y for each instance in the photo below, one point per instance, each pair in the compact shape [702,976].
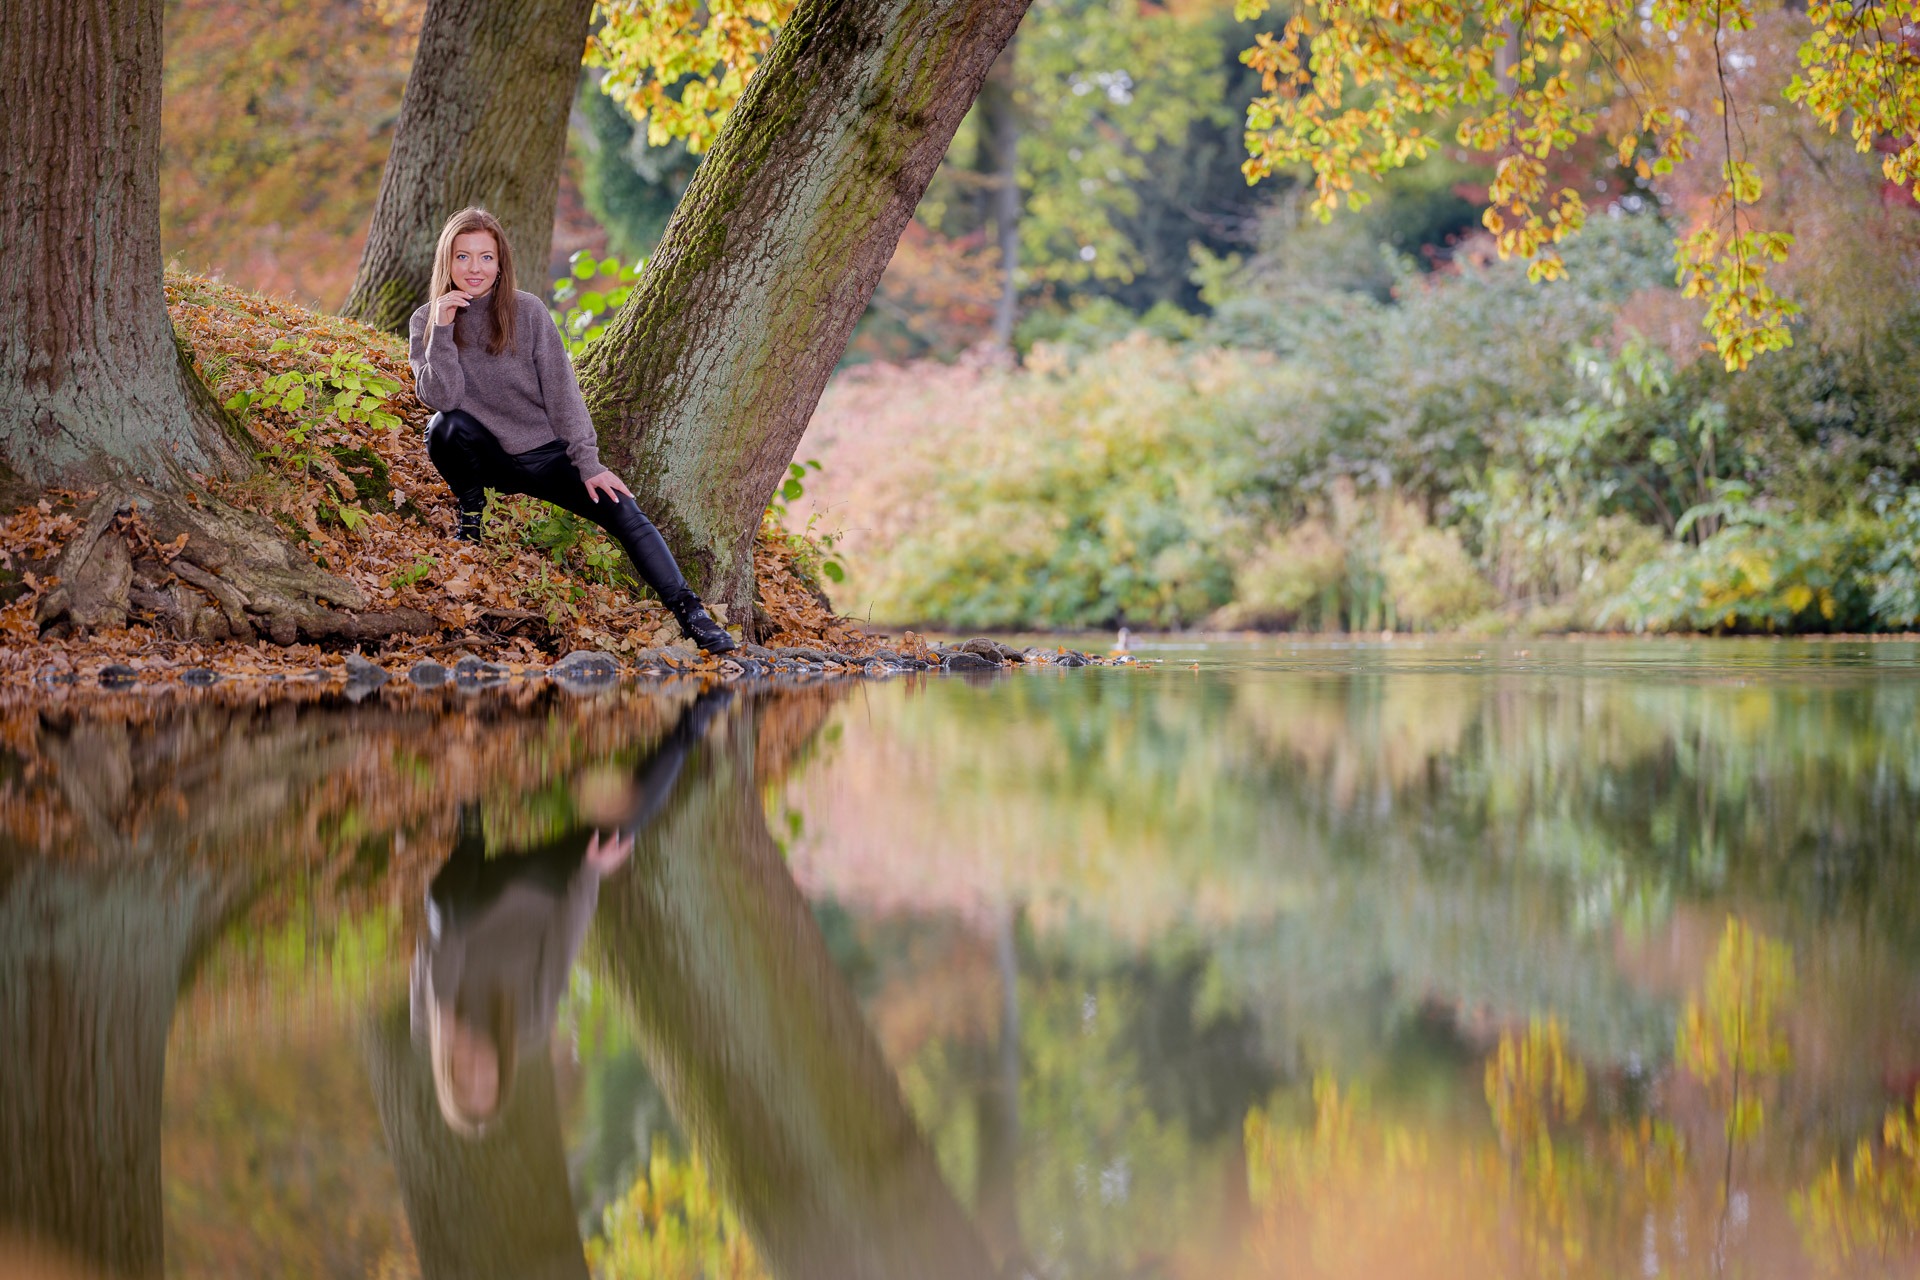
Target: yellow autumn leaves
[1346,1192]
[1354,89]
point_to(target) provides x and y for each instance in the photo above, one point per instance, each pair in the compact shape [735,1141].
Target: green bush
[1359,563]
[1784,574]
[1348,442]
[1113,487]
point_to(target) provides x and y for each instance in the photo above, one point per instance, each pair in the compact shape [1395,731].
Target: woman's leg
[548,473]
[470,460]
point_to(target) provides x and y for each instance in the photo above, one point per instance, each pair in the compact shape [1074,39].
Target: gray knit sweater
[526,396]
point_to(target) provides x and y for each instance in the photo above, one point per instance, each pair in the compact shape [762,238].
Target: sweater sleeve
[435,357]
[566,409]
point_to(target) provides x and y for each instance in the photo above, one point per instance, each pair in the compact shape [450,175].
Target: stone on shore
[585,671]
[428,674]
[476,673]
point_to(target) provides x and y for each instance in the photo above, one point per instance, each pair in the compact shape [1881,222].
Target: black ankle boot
[703,630]
[469,528]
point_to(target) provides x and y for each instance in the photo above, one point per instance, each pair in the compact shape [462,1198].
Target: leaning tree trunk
[91,379]
[483,122]
[705,381]
[760,1047]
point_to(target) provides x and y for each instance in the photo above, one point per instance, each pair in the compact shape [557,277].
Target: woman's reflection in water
[502,935]
[503,932]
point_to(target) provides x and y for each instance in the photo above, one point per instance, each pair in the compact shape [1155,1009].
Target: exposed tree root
[201,569]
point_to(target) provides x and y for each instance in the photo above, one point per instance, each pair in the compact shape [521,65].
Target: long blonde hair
[504,302]
[501,1033]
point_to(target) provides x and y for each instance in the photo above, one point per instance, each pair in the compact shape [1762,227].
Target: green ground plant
[314,450]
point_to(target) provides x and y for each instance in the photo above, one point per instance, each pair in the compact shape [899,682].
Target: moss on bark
[705,382]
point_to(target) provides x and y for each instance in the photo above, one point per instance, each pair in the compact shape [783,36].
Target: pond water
[1268,959]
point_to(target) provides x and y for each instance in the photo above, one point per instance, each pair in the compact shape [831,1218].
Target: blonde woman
[510,416]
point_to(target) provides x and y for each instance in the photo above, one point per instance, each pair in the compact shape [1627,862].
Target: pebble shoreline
[585,670]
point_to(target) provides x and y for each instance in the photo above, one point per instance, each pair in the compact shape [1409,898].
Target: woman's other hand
[608,483]
[447,306]
[606,853]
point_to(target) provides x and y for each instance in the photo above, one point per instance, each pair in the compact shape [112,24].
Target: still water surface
[1277,959]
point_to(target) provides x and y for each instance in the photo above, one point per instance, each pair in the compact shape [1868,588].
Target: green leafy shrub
[1431,581]
[1772,574]
[1101,488]
[312,441]
[1349,442]
[1895,571]
[590,295]
[1361,563]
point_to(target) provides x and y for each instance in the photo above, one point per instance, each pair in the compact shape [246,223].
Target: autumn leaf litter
[505,600]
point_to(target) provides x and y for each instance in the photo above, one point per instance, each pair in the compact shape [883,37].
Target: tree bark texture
[483,122]
[493,1206]
[91,964]
[1000,139]
[91,377]
[759,1045]
[706,379]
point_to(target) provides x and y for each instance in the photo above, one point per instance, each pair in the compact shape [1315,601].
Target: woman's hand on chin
[608,483]
[447,306]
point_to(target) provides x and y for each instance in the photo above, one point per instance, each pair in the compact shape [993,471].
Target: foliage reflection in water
[1437,961]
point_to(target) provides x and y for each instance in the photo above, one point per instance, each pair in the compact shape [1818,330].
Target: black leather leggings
[471,461]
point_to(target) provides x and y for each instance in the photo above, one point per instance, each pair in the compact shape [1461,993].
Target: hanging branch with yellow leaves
[1353,89]
[680,65]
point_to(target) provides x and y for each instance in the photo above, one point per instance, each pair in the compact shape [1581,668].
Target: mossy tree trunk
[483,122]
[95,389]
[91,380]
[759,1044]
[705,381]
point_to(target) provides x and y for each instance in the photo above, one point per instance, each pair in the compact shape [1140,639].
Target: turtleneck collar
[474,322]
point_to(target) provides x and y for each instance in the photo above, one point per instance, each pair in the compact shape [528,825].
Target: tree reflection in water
[1103,934]
[139,846]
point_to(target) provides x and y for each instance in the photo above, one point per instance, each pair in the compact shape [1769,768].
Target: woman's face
[473,1070]
[476,262]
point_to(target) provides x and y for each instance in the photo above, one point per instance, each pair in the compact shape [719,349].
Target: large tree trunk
[98,932]
[760,1047]
[91,379]
[94,386]
[705,381]
[493,1206]
[483,122]
[1000,141]
[90,966]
